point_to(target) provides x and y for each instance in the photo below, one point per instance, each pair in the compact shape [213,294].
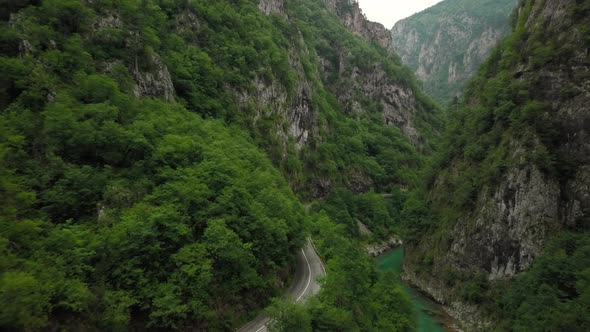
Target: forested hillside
[152,153]
[504,238]
[446,44]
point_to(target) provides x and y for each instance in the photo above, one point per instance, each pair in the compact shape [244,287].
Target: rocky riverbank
[377,249]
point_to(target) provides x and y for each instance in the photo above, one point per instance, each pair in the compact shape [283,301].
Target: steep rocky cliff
[272,7]
[514,173]
[336,54]
[446,44]
[397,99]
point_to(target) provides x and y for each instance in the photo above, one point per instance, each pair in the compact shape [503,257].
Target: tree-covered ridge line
[127,207]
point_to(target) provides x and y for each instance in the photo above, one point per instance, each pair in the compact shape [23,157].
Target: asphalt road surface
[305,285]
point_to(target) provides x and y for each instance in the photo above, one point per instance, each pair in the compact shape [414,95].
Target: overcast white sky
[387,12]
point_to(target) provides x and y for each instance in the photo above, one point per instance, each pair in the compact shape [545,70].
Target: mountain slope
[445,44]
[509,192]
[342,83]
[150,152]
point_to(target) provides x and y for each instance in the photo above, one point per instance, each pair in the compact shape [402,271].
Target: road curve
[309,269]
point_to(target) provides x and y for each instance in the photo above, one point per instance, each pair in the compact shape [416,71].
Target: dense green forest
[354,296]
[117,207]
[125,208]
[145,184]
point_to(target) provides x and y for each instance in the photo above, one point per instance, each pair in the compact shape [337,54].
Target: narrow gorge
[175,165]
[504,241]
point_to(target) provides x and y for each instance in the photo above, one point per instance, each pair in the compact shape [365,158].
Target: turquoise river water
[431,318]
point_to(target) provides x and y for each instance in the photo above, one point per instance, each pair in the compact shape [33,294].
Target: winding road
[305,285]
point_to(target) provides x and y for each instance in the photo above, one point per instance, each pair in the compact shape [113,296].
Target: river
[431,317]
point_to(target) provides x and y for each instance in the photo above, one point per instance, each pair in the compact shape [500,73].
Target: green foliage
[475,288]
[65,16]
[555,294]
[353,297]
[24,300]
[380,213]
[122,212]
[391,307]
[114,205]
[416,217]
[542,54]
[288,316]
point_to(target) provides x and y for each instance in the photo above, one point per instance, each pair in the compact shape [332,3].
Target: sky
[387,12]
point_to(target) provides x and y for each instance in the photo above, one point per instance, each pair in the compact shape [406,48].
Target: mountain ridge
[445,44]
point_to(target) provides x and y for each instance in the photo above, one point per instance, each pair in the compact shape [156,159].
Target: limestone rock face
[154,79]
[155,82]
[512,227]
[397,101]
[272,7]
[445,45]
[353,18]
[298,121]
[187,22]
[296,112]
[377,249]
